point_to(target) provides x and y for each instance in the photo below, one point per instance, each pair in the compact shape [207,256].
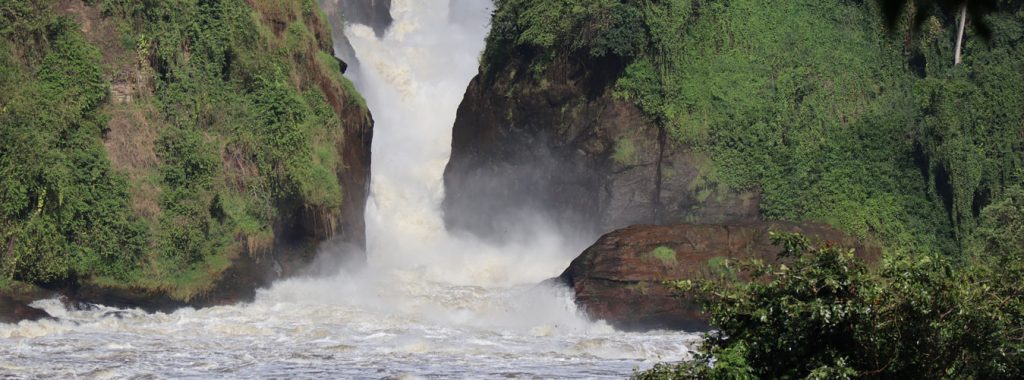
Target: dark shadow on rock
[14,309]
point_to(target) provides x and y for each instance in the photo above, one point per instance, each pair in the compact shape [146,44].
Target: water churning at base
[413,78]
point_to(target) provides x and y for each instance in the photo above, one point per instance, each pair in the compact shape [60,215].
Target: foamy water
[429,304]
[284,336]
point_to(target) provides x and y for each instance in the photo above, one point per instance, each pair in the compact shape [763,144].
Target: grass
[330,65]
[17,289]
[323,187]
[6,284]
[807,103]
[641,287]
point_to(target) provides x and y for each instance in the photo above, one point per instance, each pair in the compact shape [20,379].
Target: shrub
[63,211]
[244,125]
[820,313]
[587,29]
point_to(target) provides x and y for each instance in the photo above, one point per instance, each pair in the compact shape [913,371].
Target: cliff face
[564,145]
[610,113]
[214,148]
[301,221]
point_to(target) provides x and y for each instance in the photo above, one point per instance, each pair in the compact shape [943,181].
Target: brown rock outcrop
[12,311]
[619,278]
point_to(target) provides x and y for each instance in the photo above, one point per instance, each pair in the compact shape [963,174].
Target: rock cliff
[604,114]
[563,145]
[216,148]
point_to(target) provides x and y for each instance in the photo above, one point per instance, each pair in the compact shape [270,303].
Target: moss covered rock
[179,152]
[619,279]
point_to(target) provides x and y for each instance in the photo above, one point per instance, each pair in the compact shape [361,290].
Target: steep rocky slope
[224,146]
[551,122]
[603,114]
[564,145]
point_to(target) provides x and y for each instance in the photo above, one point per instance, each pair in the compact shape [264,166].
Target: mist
[413,75]
[426,301]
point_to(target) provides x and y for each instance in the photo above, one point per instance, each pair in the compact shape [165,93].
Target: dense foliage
[969,117]
[767,99]
[63,210]
[592,29]
[228,98]
[820,313]
[811,102]
[845,112]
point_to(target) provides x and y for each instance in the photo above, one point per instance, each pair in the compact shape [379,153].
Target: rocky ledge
[619,278]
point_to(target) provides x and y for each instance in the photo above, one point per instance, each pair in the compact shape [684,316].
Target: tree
[920,10]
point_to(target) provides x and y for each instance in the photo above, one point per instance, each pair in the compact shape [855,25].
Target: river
[429,303]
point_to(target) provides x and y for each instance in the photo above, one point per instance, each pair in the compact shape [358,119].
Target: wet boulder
[620,278]
[15,309]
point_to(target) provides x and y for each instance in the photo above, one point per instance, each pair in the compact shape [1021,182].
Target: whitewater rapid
[428,304]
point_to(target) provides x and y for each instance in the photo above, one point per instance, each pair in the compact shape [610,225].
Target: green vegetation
[836,112]
[768,102]
[63,211]
[594,29]
[240,123]
[823,314]
[625,152]
[969,117]
[810,102]
[918,11]
[665,254]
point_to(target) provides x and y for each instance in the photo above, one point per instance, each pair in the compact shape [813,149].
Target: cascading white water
[429,303]
[413,80]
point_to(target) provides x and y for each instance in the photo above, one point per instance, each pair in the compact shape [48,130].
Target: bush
[611,29]
[245,131]
[820,313]
[807,102]
[968,128]
[63,211]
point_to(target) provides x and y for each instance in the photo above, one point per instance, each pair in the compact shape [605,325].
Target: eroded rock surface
[619,278]
[563,145]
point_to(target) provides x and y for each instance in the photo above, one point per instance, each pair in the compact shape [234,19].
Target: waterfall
[428,303]
[413,78]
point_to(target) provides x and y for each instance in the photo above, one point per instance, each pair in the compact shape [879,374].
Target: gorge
[511,189]
[427,302]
